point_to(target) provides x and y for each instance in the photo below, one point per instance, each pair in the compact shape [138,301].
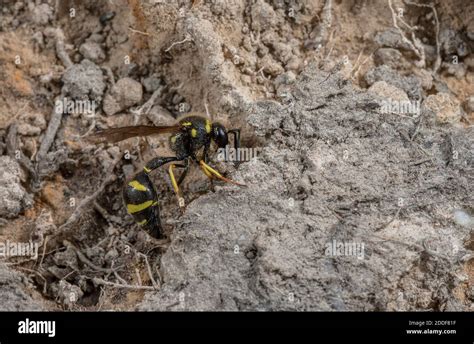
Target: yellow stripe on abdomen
[137,185]
[135,208]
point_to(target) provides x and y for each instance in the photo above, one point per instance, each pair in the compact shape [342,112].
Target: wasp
[188,137]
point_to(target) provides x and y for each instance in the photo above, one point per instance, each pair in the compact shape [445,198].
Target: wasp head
[219,135]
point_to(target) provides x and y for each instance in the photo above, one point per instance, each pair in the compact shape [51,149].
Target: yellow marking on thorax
[173,139]
[194,132]
[135,208]
[208,126]
[146,169]
[137,185]
[187,124]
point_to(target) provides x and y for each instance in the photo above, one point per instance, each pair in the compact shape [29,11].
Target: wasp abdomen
[141,200]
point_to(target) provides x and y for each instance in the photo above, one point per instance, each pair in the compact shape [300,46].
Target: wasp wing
[113,135]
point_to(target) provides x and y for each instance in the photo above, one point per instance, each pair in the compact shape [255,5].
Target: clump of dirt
[336,164]
[334,169]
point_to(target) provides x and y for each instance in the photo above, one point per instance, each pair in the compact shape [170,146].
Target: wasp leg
[209,175]
[206,172]
[209,170]
[184,173]
[175,184]
[154,163]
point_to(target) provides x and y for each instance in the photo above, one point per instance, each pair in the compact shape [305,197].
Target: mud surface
[308,83]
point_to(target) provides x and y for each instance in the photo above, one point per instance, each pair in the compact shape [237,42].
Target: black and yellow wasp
[189,136]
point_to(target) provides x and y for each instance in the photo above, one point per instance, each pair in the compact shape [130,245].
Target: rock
[285,79]
[160,116]
[390,38]
[13,197]
[282,52]
[430,53]
[388,91]
[452,43]
[38,38]
[124,94]
[447,39]
[46,78]
[458,70]
[246,79]
[84,81]
[67,293]
[42,14]
[446,107]
[410,84]
[425,77]
[92,51]
[469,61]
[127,70]
[28,130]
[270,66]
[347,69]
[151,83]
[470,30]
[470,104]
[390,57]
[262,50]
[440,86]
[106,17]
[283,83]
[35,119]
[462,49]
[263,16]
[66,258]
[293,64]
[111,255]
[96,38]
[128,170]
[16,293]
[29,146]
[53,195]
[463,218]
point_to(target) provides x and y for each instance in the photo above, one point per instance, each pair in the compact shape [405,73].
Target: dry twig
[322,31]
[123,286]
[48,139]
[438,45]
[187,38]
[14,152]
[84,259]
[415,44]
